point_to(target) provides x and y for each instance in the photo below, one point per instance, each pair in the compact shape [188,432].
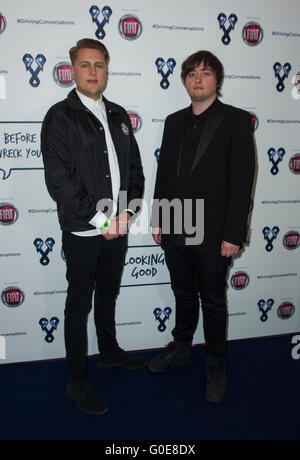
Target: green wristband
[105,226]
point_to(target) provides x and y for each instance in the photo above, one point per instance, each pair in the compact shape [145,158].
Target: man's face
[90,72]
[201,84]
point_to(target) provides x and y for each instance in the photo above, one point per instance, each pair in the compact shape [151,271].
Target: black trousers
[193,274]
[94,265]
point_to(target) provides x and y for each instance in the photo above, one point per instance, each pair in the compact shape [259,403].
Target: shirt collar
[203,116]
[90,103]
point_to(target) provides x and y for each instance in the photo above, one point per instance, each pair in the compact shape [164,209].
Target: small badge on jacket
[125,129]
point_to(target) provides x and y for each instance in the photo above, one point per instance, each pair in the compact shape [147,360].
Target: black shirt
[193,130]
[194,126]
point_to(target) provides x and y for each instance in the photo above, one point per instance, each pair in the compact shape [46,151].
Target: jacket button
[101,128]
[105,151]
[107,176]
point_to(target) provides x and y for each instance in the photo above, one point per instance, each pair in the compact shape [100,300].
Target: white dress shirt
[99,110]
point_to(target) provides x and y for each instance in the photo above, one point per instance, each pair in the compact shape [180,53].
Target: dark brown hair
[209,60]
[89,43]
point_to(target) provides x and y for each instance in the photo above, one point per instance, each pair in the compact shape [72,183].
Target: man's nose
[93,70]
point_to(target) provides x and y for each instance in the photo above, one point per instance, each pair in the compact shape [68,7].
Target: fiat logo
[130,27]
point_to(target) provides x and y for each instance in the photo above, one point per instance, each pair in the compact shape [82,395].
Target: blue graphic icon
[39,243]
[266,232]
[232,19]
[264,308]
[275,162]
[106,13]
[167,313]
[277,67]
[160,64]
[40,62]
[49,332]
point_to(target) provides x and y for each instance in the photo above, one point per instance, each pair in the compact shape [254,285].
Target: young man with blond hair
[91,157]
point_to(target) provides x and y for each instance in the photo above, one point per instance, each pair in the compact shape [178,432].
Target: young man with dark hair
[91,157]
[209,61]
[207,153]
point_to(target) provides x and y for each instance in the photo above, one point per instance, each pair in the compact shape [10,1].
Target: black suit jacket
[222,173]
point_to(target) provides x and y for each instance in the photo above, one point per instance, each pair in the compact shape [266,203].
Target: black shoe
[216,385]
[121,358]
[85,397]
[172,356]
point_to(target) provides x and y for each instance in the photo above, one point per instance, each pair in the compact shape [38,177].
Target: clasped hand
[118,227]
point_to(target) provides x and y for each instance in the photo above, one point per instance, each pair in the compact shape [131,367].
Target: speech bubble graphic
[19,147]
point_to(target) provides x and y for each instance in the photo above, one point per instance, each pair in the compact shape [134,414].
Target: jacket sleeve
[58,163]
[241,170]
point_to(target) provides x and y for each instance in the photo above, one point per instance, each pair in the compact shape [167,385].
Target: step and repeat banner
[258,44]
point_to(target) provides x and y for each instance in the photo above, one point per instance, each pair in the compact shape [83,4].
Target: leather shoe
[121,358]
[85,397]
[175,354]
[216,384]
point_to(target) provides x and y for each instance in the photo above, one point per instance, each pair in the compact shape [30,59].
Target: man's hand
[122,222]
[228,249]
[156,233]
[118,227]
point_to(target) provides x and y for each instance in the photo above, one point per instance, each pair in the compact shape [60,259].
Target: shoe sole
[112,365]
[159,371]
[92,413]
[86,411]
[215,401]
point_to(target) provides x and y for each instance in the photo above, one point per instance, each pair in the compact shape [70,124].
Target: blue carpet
[262,402]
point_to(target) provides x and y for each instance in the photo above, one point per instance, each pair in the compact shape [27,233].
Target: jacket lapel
[214,120]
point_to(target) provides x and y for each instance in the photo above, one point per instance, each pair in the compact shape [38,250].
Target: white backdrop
[39,34]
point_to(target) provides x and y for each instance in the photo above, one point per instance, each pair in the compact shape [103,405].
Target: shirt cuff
[99,220]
